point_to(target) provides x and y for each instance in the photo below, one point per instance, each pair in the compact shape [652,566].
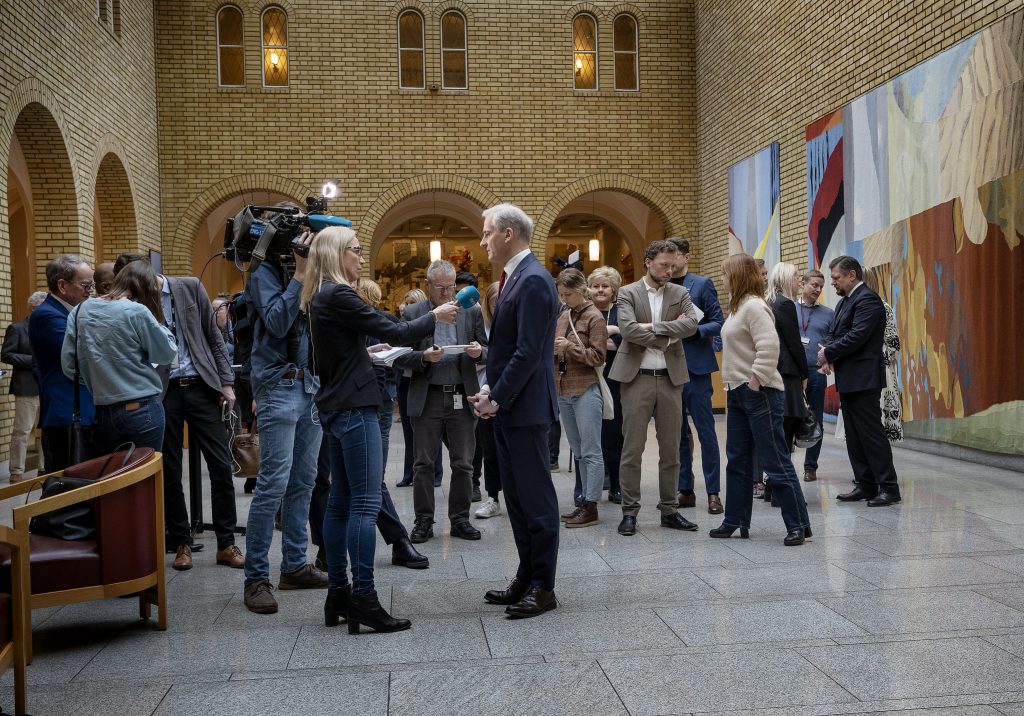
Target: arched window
[230,47]
[454,55]
[627,53]
[584,52]
[275,48]
[410,51]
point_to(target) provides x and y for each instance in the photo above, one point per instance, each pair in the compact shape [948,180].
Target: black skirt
[794,396]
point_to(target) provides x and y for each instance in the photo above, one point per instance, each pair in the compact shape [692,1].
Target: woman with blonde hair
[348,400]
[604,283]
[581,342]
[750,355]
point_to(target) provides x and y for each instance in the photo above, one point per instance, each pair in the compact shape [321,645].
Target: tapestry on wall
[926,173]
[754,206]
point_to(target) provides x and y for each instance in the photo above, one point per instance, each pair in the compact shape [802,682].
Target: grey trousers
[440,416]
[645,397]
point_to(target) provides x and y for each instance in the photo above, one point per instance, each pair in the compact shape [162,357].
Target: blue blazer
[46,328]
[853,343]
[520,358]
[700,355]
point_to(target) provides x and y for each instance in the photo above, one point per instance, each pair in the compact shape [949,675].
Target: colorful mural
[926,174]
[754,206]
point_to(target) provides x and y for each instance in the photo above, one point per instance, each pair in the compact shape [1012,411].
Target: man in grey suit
[654,316]
[438,405]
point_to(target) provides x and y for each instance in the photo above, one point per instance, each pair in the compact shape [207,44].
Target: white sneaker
[490,508]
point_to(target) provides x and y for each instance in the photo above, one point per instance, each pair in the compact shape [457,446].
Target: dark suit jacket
[17,351]
[46,328]
[520,359]
[469,327]
[853,343]
[700,354]
[791,351]
[194,322]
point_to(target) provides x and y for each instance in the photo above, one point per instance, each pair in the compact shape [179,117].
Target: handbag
[809,432]
[245,454]
[77,521]
[607,405]
[78,441]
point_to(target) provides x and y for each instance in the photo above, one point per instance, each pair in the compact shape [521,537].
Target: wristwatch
[494,403]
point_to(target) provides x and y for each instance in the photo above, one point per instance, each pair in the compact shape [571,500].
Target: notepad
[388,357]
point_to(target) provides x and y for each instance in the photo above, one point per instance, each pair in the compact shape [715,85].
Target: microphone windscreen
[468,297]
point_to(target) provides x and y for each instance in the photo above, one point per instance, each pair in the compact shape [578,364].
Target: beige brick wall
[765,71]
[520,133]
[75,91]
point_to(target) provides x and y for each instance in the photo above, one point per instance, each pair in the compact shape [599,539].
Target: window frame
[264,47]
[635,53]
[596,52]
[221,45]
[464,49]
[422,49]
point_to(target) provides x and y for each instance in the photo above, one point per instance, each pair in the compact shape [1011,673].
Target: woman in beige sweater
[750,354]
[581,339]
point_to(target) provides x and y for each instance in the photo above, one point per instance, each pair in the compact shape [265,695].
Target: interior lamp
[435,250]
[595,250]
[274,59]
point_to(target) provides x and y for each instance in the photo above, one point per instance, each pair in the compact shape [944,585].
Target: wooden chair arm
[148,469]
[23,487]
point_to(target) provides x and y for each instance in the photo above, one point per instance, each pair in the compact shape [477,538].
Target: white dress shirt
[512,263]
[654,358]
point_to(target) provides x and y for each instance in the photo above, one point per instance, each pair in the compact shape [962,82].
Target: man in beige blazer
[654,315]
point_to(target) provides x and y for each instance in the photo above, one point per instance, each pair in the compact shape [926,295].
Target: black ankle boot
[724,531]
[339,600]
[367,611]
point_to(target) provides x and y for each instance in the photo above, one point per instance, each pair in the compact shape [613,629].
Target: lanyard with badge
[805,324]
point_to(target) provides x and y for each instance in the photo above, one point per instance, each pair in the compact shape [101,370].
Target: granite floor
[910,609]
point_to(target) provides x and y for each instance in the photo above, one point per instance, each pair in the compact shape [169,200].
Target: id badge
[805,340]
[458,401]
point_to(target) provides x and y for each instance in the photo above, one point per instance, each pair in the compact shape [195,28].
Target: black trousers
[554,440]
[611,439]
[529,500]
[866,444]
[198,405]
[488,457]
[407,435]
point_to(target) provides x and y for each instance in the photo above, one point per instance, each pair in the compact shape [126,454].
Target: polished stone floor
[911,609]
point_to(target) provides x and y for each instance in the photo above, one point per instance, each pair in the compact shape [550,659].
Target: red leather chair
[12,619]
[127,556]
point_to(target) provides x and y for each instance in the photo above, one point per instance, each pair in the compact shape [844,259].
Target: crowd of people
[150,353]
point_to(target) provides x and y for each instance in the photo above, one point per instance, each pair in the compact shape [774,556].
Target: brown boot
[571,513]
[586,516]
[183,559]
[231,556]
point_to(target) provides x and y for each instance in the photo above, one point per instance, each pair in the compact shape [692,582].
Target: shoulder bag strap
[76,404]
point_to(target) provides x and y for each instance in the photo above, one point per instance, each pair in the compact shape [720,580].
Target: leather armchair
[127,556]
[12,619]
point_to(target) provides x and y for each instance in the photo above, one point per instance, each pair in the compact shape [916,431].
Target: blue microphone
[467,297]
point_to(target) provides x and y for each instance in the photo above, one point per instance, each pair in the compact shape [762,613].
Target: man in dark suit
[69,278]
[17,351]
[852,348]
[438,404]
[697,392]
[521,398]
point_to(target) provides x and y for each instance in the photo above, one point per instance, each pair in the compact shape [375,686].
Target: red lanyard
[804,324]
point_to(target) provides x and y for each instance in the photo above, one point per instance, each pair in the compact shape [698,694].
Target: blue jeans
[143,425]
[697,404]
[754,425]
[816,384]
[581,418]
[289,445]
[350,524]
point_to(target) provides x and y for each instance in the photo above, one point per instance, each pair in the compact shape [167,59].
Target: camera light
[329,189]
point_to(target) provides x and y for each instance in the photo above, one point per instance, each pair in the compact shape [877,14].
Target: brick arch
[629,9]
[423,183]
[443,7]
[399,7]
[178,251]
[649,194]
[590,9]
[115,200]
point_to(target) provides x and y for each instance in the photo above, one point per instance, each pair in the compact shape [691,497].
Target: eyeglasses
[357,250]
[87,286]
[450,287]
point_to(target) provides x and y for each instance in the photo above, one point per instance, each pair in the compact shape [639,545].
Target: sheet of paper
[454,350]
[700,313]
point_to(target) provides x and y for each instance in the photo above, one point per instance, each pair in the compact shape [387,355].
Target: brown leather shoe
[810,475]
[183,558]
[231,556]
[259,597]
[536,601]
[687,500]
[305,577]
[17,477]
[585,516]
[571,513]
[715,505]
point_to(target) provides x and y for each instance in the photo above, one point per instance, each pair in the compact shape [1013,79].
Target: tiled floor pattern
[915,609]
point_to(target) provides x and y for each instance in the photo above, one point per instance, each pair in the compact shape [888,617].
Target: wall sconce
[275,59]
[579,65]
[595,250]
[435,250]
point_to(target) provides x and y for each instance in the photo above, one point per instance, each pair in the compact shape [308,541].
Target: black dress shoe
[884,498]
[516,590]
[856,494]
[676,521]
[615,497]
[404,554]
[627,527]
[477,497]
[407,482]
[725,531]
[422,531]
[536,601]
[794,538]
[464,530]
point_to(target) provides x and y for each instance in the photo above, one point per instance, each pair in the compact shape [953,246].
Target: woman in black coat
[783,286]
[348,400]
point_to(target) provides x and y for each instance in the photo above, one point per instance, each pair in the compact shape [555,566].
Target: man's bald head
[103,277]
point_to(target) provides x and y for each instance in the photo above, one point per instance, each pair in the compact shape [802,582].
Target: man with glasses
[70,281]
[438,390]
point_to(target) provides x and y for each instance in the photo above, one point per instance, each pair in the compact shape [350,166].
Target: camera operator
[283,388]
